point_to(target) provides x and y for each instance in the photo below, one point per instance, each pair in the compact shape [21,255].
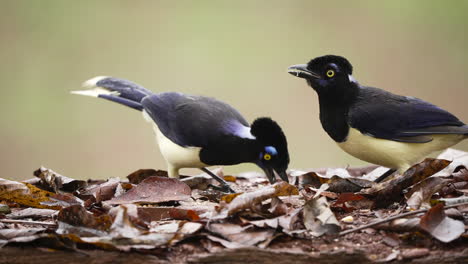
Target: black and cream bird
[375,125]
[197,131]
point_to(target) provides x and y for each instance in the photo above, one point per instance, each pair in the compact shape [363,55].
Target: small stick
[395,217]
[12,221]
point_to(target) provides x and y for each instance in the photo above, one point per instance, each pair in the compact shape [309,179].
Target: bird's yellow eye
[330,73]
[267,157]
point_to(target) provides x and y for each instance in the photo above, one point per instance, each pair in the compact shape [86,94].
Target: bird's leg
[224,185]
[385,175]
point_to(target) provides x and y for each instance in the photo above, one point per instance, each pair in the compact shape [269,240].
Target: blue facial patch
[271,150]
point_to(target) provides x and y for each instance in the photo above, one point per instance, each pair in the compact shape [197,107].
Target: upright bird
[197,131]
[375,125]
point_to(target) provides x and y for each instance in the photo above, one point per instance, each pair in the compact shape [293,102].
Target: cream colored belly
[176,157]
[393,154]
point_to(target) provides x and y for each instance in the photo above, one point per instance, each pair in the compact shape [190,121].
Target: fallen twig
[395,217]
[12,221]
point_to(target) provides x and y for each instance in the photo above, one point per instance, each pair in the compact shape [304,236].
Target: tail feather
[116,90]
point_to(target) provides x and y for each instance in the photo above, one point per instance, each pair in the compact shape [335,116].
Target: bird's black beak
[271,175]
[283,175]
[301,71]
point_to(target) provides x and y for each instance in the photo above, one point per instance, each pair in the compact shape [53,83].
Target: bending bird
[197,131]
[374,125]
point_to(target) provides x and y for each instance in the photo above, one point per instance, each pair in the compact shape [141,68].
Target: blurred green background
[236,51]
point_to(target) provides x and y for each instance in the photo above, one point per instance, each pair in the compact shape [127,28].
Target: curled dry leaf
[155,190]
[422,192]
[342,185]
[122,226]
[141,174]
[250,199]
[458,159]
[351,201]
[32,213]
[56,182]
[13,233]
[388,192]
[24,194]
[242,236]
[319,218]
[63,200]
[75,219]
[444,228]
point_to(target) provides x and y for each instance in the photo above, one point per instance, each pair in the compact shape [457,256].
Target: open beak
[271,175]
[301,71]
[283,175]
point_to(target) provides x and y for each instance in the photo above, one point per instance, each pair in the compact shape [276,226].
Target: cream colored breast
[176,156]
[393,154]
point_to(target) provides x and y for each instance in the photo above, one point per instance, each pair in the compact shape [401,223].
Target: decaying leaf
[25,194]
[458,159]
[13,233]
[77,220]
[351,201]
[155,190]
[243,236]
[122,226]
[444,228]
[318,217]
[422,192]
[388,192]
[140,175]
[342,185]
[62,200]
[32,213]
[247,200]
[56,182]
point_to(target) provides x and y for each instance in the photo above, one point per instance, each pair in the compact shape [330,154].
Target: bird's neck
[233,150]
[334,109]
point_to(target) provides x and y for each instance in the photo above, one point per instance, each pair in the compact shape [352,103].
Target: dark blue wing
[385,115]
[193,120]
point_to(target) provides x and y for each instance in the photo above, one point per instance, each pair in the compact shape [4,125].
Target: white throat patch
[351,79]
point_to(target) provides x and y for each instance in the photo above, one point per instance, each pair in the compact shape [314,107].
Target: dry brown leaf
[76,219]
[422,192]
[241,235]
[141,174]
[250,199]
[388,192]
[13,233]
[444,228]
[32,213]
[318,217]
[155,190]
[24,194]
[56,182]
[458,159]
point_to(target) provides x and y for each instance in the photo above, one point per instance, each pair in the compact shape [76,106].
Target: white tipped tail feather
[93,90]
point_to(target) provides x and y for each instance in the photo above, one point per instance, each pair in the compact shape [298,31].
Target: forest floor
[331,215]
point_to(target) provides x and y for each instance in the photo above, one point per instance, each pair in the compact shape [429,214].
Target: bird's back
[385,115]
[192,120]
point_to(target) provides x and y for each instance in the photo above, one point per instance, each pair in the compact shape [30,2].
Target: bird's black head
[328,74]
[273,153]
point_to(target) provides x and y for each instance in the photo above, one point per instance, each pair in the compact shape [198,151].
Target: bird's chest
[174,154]
[334,122]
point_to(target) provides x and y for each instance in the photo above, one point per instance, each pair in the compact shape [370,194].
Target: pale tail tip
[93,81]
[86,93]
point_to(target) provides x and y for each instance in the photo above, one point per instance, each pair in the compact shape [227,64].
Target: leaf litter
[325,210]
